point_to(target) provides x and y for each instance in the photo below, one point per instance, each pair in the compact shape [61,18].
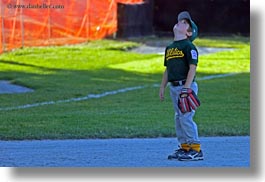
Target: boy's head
[193,29]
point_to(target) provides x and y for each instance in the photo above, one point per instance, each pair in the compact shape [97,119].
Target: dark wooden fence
[135,20]
[213,17]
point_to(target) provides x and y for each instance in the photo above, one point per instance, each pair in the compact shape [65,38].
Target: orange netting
[56,22]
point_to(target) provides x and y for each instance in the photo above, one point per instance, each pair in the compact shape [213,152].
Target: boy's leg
[186,130]
[189,128]
[181,139]
[174,93]
[192,144]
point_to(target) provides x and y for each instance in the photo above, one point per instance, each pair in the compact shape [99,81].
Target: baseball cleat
[191,155]
[176,154]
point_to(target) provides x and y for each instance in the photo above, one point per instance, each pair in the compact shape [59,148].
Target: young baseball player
[181,59]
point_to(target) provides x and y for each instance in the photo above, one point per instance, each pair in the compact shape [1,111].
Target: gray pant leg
[186,128]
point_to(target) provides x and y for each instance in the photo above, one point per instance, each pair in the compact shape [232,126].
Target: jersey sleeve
[193,55]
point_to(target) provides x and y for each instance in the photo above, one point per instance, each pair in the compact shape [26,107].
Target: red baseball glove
[188,100]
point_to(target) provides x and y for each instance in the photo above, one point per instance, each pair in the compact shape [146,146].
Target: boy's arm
[191,75]
[163,85]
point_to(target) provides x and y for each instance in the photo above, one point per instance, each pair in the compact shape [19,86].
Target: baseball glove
[188,100]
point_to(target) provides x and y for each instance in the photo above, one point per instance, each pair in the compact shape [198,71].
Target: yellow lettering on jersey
[174,53]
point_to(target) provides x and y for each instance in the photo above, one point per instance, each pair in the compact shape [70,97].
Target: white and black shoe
[176,154]
[191,155]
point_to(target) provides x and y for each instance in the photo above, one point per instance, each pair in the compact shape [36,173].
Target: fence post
[49,23]
[2,27]
[88,19]
[22,25]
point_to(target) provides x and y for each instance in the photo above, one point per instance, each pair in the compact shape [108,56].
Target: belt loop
[180,83]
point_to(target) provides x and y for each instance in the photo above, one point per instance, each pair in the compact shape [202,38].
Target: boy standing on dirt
[181,59]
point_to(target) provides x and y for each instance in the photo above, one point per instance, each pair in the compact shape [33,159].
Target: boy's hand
[162,93]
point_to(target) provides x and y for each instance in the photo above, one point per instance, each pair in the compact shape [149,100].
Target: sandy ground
[218,152]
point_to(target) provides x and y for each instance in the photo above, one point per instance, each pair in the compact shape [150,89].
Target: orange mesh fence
[56,22]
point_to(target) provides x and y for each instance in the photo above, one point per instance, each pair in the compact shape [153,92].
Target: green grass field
[61,73]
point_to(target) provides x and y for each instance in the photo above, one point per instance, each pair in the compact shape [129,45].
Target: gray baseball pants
[186,128]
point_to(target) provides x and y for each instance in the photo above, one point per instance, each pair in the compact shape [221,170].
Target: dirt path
[218,152]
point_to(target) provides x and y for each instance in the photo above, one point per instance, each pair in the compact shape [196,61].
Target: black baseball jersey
[178,56]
